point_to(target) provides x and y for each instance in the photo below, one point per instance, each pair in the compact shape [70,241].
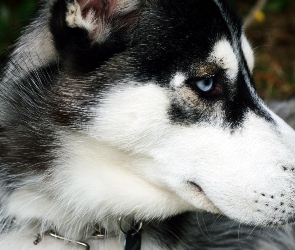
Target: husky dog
[129,123]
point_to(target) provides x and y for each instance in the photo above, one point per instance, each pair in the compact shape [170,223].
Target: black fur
[26,136]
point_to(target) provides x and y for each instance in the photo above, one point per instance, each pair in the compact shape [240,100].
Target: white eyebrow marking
[223,55]
[178,80]
[248,52]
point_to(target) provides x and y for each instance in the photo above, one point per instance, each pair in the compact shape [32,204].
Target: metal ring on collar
[137,231]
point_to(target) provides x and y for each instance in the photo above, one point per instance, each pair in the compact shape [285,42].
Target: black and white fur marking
[101,118]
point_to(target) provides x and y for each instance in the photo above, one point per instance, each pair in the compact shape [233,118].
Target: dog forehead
[179,33]
[202,17]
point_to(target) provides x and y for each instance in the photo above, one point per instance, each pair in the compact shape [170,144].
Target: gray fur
[204,231]
[34,48]
[285,109]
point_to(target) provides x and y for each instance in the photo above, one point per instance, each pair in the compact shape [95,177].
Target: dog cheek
[139,114]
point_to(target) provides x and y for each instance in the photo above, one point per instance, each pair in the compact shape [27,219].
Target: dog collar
[132,236]
[53,234]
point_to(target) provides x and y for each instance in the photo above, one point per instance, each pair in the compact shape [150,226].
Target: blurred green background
[272,34]
[13,15]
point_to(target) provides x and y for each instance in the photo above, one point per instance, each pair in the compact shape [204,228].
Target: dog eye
[205,84]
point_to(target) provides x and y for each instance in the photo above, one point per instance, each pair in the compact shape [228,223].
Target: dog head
[157,114]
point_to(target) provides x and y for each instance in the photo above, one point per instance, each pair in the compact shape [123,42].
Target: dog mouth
[203,199]
[195,186]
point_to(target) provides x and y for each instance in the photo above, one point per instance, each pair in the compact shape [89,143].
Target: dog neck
[115,231]
[105,234]
[132,236]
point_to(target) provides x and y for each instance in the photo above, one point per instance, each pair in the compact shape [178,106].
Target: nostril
[285,169]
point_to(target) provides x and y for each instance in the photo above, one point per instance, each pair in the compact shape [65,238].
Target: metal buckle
[99,234]
[56,236]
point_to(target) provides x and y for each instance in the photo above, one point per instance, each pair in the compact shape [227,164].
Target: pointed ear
[88,32]
[101,17]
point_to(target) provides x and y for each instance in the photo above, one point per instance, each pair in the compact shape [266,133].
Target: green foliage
[13,14]
[277,5]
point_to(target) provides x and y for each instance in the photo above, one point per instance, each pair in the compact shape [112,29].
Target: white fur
[223,54]
[88,176]
[98,28]
[248,52]
[178,80]
[250,159]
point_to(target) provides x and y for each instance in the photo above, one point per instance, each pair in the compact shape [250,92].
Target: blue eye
[205,84]
[207,87]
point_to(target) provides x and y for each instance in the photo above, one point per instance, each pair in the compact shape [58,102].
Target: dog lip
[200,191]
[195,185]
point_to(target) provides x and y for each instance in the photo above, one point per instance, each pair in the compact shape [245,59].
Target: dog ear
[88,32]
[101,18]
[97,19]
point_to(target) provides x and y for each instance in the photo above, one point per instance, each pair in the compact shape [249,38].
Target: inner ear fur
[100,18]
[87,33]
